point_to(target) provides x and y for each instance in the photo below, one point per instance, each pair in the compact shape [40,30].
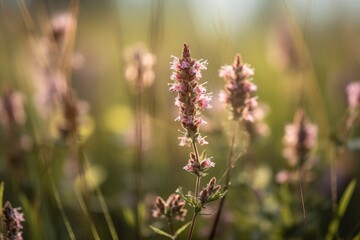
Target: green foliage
[344,202]
[176,234]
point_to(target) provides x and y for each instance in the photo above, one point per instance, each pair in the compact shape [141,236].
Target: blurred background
[304,54]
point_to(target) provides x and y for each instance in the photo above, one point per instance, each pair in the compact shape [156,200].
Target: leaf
[345,199]
[203,155]
[181,229]
[357,237]
[161,232]
[344,202]
[189,198]
[129,216]
[217,195]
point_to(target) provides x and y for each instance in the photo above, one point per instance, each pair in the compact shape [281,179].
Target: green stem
[227,181]
[192,226]
[197,187]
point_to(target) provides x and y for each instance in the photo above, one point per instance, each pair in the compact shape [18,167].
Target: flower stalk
[238,95]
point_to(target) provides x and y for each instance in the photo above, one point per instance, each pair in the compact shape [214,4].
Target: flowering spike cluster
[239,89]
[192,96]
[210,192]
[140,64]
[12,219]
[198,167]
[300,137]
[173,207]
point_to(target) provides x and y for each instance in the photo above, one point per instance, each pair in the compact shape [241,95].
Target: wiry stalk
[227,181]
[138,158]
[197,187]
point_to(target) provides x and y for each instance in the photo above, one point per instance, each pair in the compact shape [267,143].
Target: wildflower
[140,63]
[12,218]
[192,96]
[198,167]
[353,94]
[239,89]
[299,139]
[210,192]
[173,207]
[259,128]
[282,51]
[12,109]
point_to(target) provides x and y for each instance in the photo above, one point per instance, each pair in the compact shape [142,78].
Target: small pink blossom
[247,116]
[185,65]
[184,141]
[177,102]
[249,86]
[283,177]
[201,121]
[223,97]
[207,163]
[202,140]
[227,72]
[204,101]
[200,89]
[247,71]
[176,87]
[353,94]
[251,102]
[174,65]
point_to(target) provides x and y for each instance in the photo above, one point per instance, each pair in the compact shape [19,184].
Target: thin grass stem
[227,180]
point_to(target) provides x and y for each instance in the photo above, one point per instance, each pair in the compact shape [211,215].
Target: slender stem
[171,226]
[138,154]
[197,187]
[227,180]
[197,183]
[301,194]
[192,226]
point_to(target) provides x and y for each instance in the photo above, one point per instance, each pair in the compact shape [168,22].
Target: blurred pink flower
[299,139]
[353,94]
[238,91]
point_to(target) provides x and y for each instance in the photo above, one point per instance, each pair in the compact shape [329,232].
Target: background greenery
[324,56]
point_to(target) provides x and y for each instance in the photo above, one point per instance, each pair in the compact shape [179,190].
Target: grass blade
[344,202]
